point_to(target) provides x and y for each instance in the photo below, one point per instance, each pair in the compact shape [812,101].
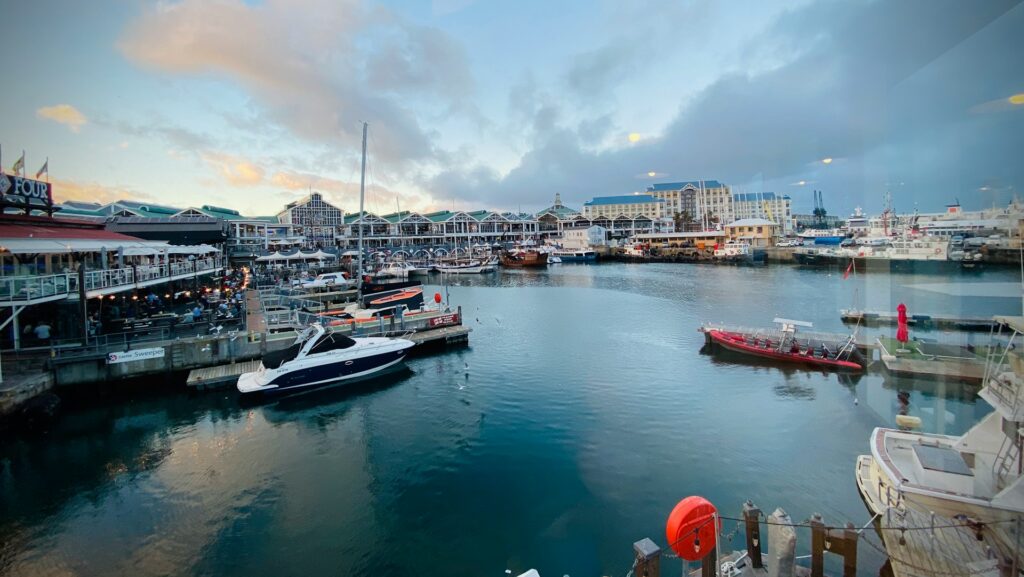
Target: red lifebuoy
[690,529]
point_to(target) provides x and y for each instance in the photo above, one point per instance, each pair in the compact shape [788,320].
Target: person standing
[42,332]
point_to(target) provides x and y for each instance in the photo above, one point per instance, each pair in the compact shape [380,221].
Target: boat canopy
[274,359]
[782,321]
[1015,323]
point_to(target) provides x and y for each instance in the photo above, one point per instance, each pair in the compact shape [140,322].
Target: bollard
[751,516]
[646,558]
[781,545]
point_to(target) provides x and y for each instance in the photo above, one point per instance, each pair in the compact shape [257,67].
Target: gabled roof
[559,211]
[439,216]
[680,185]
[81,205]
[623,199]
[370,218]
[147,207]
[396,217]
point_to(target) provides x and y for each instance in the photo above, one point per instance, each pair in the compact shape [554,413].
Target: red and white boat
[783,345]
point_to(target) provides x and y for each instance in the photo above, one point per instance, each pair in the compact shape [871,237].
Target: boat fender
[908,422]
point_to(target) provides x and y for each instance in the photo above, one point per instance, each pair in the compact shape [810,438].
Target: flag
[19,164]
[849,269]
[44,169]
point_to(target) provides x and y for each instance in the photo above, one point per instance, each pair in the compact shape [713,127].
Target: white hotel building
[765,205]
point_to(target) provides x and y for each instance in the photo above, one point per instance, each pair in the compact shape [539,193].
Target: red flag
[849,269]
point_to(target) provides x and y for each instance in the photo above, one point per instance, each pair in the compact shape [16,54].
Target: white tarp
[270,257]
[61,246]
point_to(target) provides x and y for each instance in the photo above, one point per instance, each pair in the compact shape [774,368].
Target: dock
[221,375]
[931,361]
[926,322]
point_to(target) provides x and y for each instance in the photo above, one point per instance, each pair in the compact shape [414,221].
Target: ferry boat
[784,344]
[913,255]
[823,236]
[977,475]
[319,357]
[581,255]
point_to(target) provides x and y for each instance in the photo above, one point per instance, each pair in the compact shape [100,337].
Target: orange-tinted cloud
[233,169]
[94,192]
[63,114]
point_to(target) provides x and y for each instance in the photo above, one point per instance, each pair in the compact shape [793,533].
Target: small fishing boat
[784,345]
[465,267]
[320,357]
[524,258]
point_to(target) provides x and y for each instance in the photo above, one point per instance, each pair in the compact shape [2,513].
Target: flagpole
[23,162]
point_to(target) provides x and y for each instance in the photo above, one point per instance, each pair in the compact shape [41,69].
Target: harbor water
[582,411]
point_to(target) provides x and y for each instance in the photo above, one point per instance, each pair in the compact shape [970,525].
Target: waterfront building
[627,205]
[316,220]
[439,228]
[583,238]
[619,227]
[173,230]
[757,232]
[695,204]
[549,218]
[700,239]
[766,205]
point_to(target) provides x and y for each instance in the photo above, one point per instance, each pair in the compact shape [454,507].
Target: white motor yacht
[977,475]
[319,357]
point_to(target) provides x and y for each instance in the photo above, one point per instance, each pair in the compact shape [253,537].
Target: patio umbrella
[902,334]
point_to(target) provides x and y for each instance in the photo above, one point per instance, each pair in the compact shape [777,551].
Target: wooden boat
[791,351]
[396,297]
[524,258]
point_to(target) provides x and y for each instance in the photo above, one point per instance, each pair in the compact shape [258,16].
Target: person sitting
[197,314]
[42,332]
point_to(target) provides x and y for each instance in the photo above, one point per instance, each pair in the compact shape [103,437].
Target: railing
[100,279]
[28,288]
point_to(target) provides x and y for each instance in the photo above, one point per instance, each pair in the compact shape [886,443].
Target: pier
[926,322]
[931,361]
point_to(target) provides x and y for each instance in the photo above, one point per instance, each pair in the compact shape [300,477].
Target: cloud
[94,192]
[233,169]
[63,114]
[831,98]
[317,67]
[346,194]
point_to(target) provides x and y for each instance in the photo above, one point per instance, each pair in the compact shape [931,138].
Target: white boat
[733,251]
[468,267]
[976,475]
[319,357]
[580,255]
[401,269]
[552,259]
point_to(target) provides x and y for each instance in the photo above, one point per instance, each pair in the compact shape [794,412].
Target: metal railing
[28,288]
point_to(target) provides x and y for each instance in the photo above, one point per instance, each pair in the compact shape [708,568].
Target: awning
[270,257]
[60,246]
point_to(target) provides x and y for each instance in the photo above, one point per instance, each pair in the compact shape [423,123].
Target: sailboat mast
[362,196]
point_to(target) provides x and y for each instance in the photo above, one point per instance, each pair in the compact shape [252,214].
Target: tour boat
[976,475]
[783,345]
[524,258]
[467,267]
[582,255]
[319,357]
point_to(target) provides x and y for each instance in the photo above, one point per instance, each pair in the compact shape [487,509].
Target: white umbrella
[321,255]
[270,257]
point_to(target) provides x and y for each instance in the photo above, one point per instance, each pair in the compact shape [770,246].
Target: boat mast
[362,194]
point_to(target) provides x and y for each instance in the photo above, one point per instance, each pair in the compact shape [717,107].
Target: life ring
[938,251]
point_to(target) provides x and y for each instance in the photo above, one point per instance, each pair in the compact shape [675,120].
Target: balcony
[30,290]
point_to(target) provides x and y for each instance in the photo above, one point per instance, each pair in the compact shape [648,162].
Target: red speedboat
[789,350]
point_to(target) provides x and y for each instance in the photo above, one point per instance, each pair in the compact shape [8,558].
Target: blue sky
[488,104]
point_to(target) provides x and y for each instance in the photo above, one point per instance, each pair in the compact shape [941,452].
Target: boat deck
[221,375]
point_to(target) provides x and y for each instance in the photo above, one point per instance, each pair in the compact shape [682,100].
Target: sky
[491,104]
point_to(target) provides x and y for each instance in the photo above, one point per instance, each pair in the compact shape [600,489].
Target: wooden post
[751,518]
[817,546]
[709,564]
[647,558]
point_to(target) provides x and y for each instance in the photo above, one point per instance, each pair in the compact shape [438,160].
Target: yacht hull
[319,374]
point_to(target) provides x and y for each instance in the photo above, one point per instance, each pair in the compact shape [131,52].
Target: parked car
[789,242]
[329,280]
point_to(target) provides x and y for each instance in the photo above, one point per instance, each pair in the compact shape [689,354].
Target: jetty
[925,322]
[932,360]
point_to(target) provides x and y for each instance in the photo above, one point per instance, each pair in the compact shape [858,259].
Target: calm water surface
[581,413]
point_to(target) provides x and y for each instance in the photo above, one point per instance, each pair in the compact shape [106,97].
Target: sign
[444,321]
[26,190]
[134,355]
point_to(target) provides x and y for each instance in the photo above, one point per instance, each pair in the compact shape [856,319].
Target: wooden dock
[221,375]
[925,322]
[932,545]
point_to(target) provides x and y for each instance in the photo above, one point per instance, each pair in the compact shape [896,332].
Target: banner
[444,321]
[134,355]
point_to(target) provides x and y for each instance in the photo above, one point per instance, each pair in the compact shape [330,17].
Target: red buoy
[691,528]
[437,298]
